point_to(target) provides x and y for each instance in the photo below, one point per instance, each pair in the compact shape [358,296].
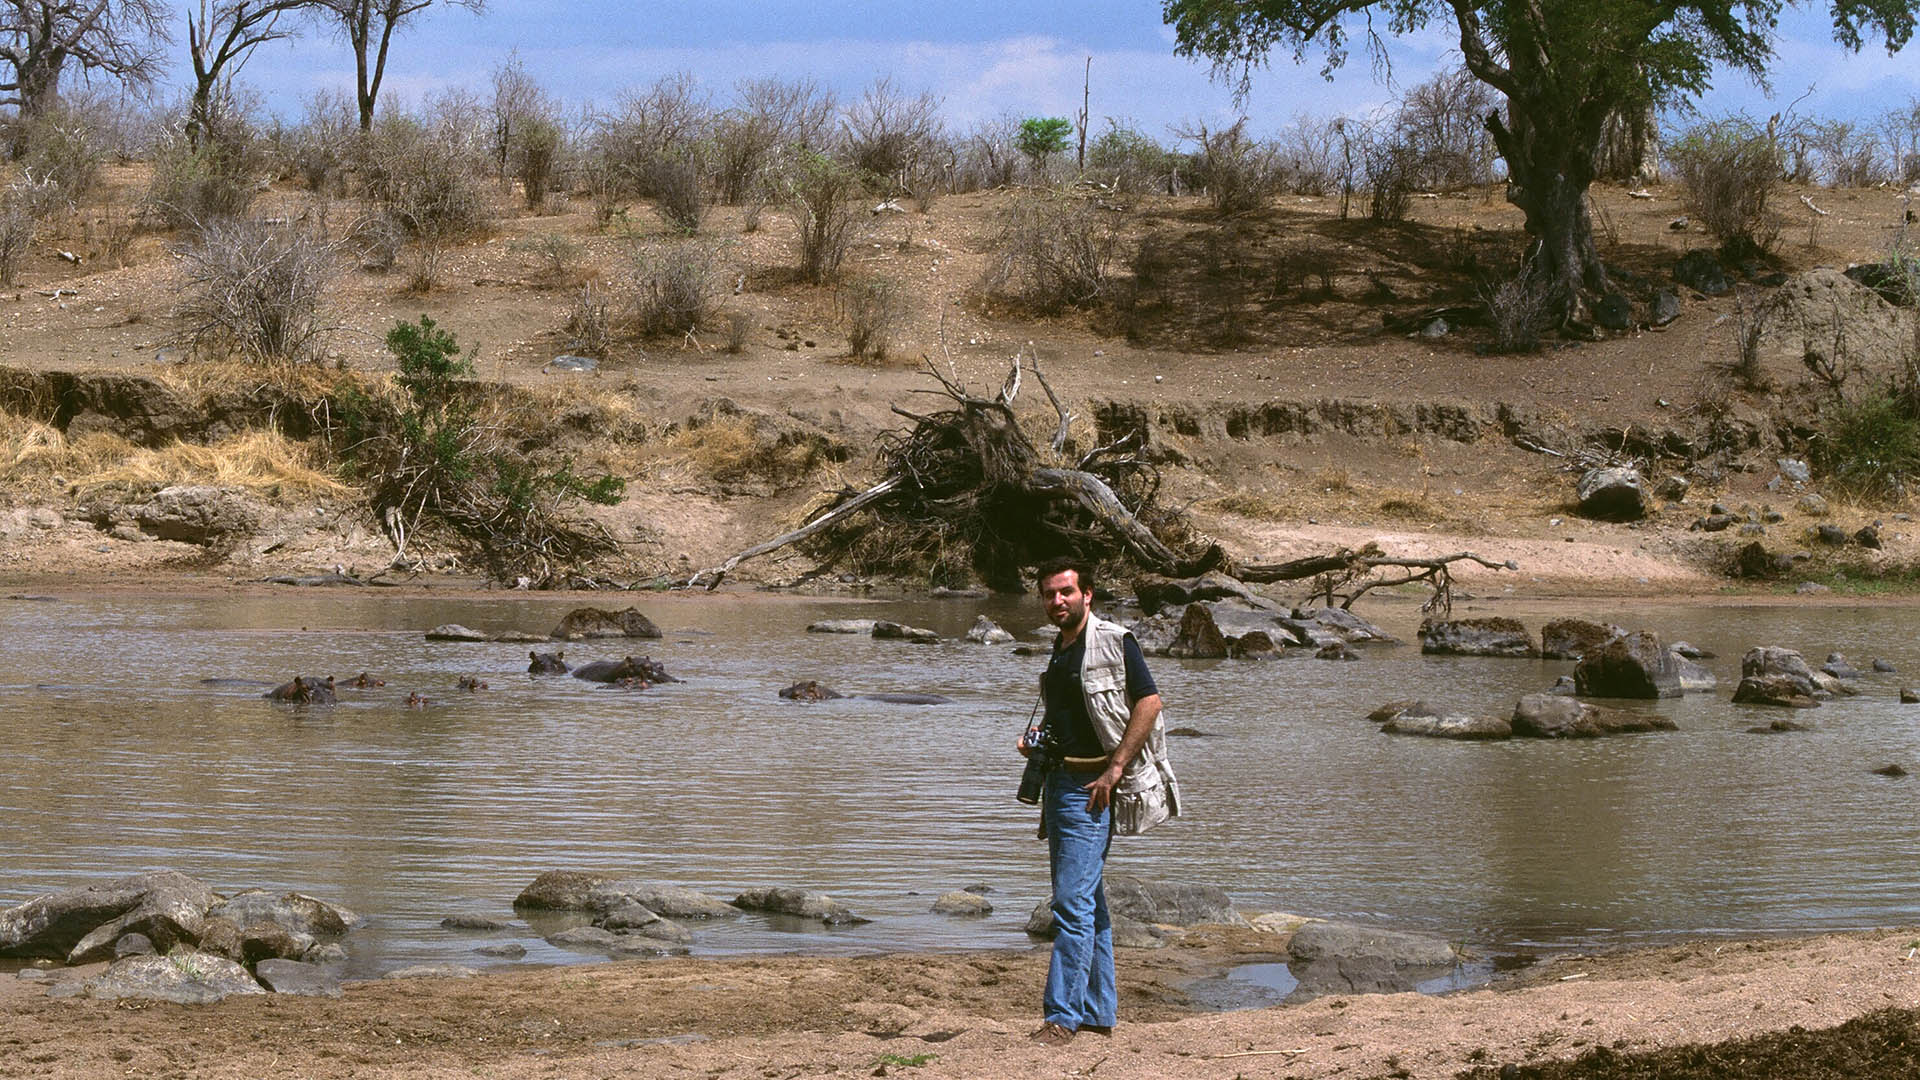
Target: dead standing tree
[970,476]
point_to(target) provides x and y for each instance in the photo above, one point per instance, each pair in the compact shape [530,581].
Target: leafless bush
[873,308]
[986,155]
[1848,154]
[768,116]
[24,205]
[1129,160]
[210,176]
[527,135]
[254,290]
[1729,168]
[886,131]
[319,148]
[1441,127]
[378,238]
[1051,252]
[739,325]
[1901,129]
[655,145]
[678,187]
[425,178]
[1313,155]
[1393,168]
[674,286]
[821,193]
[558,256]
[1519,309]
[589,321]
[1239,172]
[63,148]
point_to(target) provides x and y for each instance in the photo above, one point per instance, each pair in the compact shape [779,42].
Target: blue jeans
[1080,981]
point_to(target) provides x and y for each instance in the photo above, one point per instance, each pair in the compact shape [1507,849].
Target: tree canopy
[1564,67]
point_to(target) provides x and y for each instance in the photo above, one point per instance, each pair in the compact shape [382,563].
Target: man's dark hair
[1082,570]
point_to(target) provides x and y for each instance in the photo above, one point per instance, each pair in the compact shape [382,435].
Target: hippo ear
[531,655]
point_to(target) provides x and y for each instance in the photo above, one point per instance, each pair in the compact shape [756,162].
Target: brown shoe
[1098,1029]
[1051,1034]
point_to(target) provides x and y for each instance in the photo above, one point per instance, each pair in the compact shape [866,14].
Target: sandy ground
[957,1015]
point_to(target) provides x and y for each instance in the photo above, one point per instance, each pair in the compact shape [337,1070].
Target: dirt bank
[964,1015]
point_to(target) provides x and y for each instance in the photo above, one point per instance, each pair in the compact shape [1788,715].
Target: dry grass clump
[732,448]
[262,462]
[1246,504]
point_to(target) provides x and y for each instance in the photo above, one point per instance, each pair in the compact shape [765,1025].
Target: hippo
[628,682]
[364,681]
[909,699]
[470,682]
[632,667]
[546,663]
[415,701]
[810,690]
[304,691]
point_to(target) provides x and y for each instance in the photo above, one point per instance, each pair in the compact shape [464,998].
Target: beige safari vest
[1148,793]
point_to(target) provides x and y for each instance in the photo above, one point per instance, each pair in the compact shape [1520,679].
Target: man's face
[1066,603]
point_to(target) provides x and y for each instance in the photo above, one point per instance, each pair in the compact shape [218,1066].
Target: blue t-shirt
[1067,715]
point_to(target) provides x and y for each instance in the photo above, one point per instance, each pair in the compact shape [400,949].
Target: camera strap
[1036,710]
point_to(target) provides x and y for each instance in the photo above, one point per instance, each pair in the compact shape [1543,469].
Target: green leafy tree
[1041,137]
[1564,66]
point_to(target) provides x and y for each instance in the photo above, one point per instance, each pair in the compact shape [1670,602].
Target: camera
[1043,756]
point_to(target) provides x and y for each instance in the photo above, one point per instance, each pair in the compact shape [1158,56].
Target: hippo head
[547,663]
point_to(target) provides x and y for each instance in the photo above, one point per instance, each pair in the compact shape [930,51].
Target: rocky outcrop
[1494,636]
[584,623]
[199,514]
[798,903]
[1633,666]
[1800,323]
[637,919]
[168,907]
[1571,639]
[1612,494]
[457,632]
[297,978]
[183,977]
[1198,638]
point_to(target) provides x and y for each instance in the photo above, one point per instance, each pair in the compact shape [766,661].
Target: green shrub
[1870,446]
[821,193]
[1129,160]
[432,466]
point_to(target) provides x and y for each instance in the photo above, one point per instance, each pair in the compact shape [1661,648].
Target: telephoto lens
[1033,782]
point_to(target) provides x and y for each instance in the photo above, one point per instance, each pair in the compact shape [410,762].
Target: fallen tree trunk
[970,477]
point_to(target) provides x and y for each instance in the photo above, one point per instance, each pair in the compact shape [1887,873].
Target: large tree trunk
[1550,165]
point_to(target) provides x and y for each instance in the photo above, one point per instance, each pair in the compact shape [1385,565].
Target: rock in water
[800,903]
[1423,719]
[1339,957]
[1612,494]
[1495,636]
[1199,638]
[987,632]
[1634,666]
[1571,639]
[581,623]
[963,904]
[893,631]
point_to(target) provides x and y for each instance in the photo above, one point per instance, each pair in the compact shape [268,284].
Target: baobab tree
[40,39]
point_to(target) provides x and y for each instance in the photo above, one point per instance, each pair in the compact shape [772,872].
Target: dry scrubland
[1251,349]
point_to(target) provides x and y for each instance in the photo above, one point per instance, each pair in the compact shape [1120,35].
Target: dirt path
[959,1015]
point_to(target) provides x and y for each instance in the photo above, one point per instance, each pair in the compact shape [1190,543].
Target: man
[1103,718]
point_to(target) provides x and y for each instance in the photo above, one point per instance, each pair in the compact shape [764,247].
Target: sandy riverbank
[963,1015]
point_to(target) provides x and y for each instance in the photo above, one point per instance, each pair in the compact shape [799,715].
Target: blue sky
[981,59]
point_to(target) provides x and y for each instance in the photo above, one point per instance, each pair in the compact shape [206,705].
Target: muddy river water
[117,759]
